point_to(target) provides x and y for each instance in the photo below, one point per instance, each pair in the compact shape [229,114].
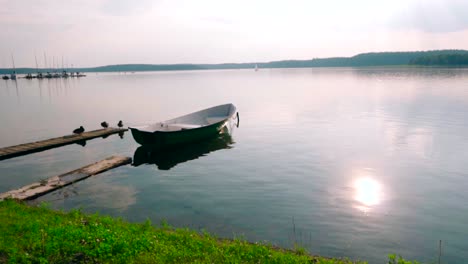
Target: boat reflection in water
[168,158]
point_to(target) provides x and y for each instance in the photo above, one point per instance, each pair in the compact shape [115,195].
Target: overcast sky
[102,32]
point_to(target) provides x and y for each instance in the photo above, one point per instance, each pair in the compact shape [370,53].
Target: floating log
[28,148]
[37,189]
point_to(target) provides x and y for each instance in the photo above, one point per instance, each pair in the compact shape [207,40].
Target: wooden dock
[48,185]
[23,149]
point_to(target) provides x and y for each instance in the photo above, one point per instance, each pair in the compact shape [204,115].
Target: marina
[45,75]
[48,72]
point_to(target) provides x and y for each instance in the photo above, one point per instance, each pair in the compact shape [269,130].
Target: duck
[104,124]
[120,124]
[78,130]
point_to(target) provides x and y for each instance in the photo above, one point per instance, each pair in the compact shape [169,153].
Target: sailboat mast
[14,68]
[37,67]
[45,60]
[13,75]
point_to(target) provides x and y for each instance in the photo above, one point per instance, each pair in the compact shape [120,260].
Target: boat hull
[161,139]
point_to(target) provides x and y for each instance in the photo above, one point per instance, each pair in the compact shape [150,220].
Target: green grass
[40,235]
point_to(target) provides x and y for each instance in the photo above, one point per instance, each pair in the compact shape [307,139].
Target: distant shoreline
[435,58]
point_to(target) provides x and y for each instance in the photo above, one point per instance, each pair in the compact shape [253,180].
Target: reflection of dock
[165,159]
[53,75]
[48,185]
[23,149]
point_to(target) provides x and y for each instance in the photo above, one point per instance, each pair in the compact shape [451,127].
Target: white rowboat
[185,129]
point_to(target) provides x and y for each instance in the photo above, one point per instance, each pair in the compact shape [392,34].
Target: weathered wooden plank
[23,149]
[37,189]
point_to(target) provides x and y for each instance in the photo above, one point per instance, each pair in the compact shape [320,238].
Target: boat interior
[194,120]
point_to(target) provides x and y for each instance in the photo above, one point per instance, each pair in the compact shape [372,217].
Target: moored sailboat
[13,75]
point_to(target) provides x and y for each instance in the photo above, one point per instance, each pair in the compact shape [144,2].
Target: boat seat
[183,126]
[215,119]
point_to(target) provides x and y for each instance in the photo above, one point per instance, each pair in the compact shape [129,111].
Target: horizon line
[225,63]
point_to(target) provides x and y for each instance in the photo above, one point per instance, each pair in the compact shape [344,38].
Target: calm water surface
[359,162]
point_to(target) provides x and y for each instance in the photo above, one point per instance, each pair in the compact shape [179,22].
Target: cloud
[434,16]
[126,7]
[97,32]
[218,20]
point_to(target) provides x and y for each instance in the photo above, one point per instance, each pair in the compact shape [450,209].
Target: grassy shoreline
[40,235]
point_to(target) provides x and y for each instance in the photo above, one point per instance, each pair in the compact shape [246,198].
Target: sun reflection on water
[368,192]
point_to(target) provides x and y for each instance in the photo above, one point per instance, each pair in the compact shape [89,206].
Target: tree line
[423,58]
[442,60]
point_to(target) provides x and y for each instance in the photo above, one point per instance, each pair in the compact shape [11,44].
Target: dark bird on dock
[78,130]
[120,124]
[104,124]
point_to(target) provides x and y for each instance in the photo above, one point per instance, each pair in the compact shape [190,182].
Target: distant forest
[416,58]
[442,60]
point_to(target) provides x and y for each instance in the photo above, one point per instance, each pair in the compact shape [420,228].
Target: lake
[345,162]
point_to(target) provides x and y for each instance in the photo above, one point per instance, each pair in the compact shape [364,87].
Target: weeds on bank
[40,235]
[393,259]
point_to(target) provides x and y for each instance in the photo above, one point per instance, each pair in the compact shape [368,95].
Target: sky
[89,33]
